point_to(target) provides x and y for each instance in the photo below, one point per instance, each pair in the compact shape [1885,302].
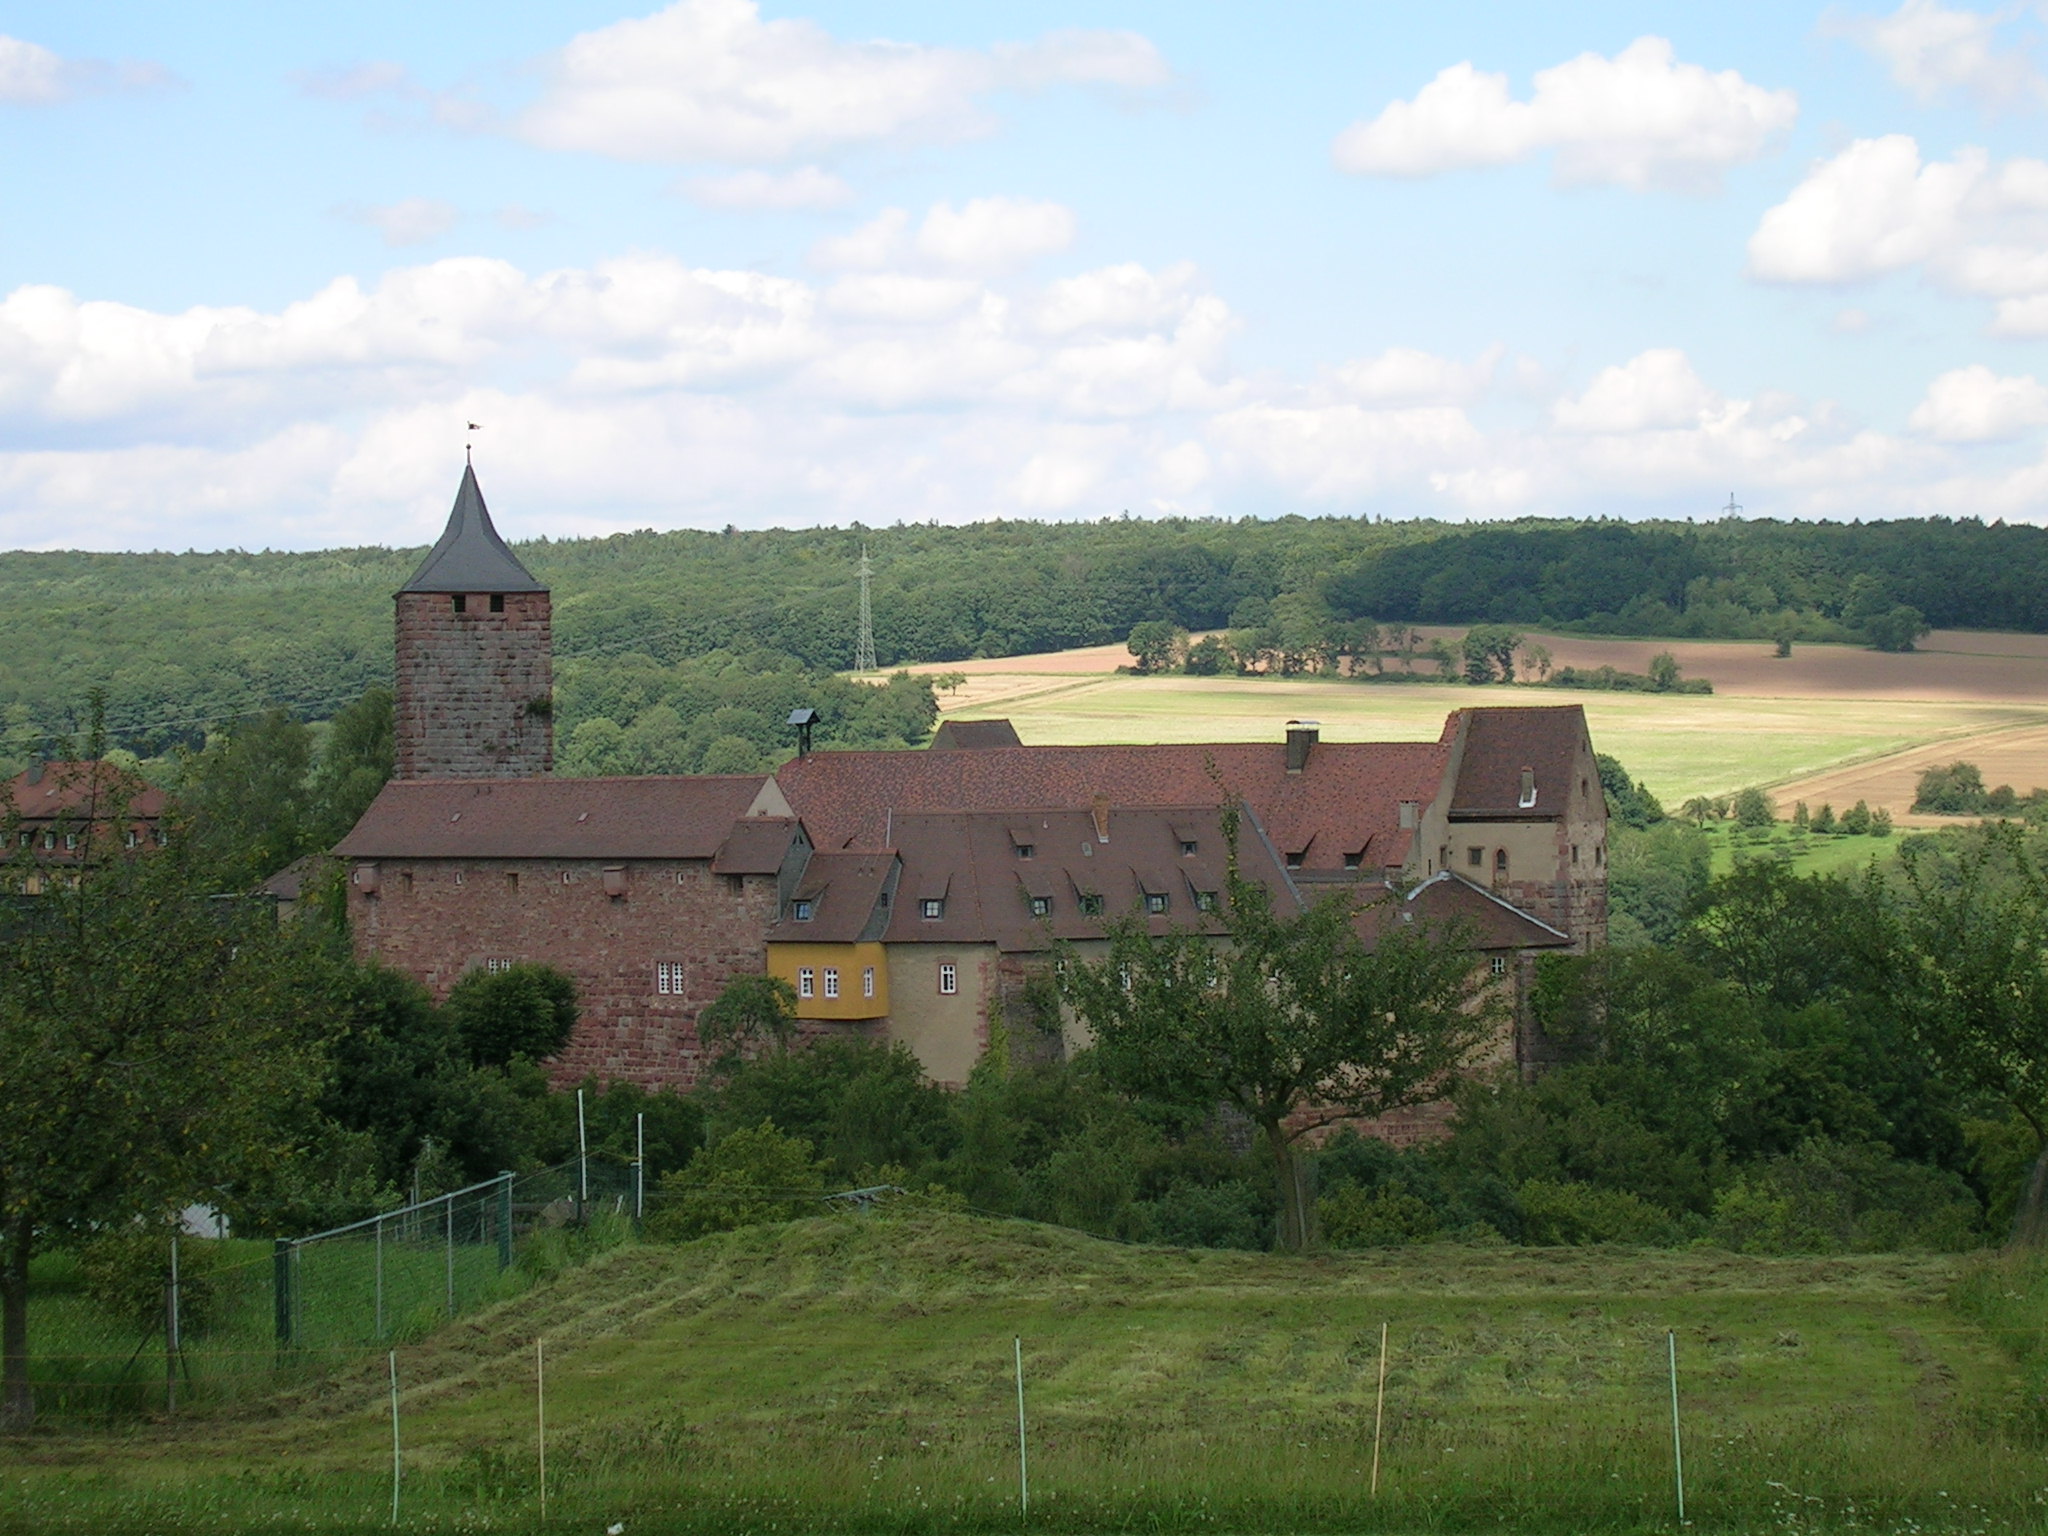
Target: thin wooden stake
[392,1361]
[1023,1462]
[1677,1447]
[1379,1412]
[540,1418]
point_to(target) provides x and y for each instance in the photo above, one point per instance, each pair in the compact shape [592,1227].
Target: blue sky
[761,264]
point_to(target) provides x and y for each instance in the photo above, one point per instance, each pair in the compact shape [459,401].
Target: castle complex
[913,895]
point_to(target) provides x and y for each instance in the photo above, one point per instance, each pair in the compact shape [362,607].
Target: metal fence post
[448,1215]
[380,1277]
[281,1288]
[504,1221]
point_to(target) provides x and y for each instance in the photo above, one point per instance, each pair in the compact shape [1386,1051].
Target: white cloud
[1975,405]
[1933,51]
[516,216]
[1975,227]
[642,390]
[1639,119]
[409,221]
[356,81]
[710,80]
[1654,390]
[32,76]
[807,187]
[987,234]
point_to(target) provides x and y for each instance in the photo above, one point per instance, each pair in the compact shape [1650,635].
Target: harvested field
[1835,711]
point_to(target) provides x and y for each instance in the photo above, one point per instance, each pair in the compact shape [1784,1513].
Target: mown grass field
[856,1374]
[1837,711]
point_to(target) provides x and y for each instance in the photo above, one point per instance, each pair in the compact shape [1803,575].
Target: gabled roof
[973,865]
[845,891]
[470,556]
[971,735]
[644,818]
[1447,898]
[73,791]
[1500,741]
[1344,803]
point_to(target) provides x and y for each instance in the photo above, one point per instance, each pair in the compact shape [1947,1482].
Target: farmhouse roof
[73,791]
[1502,741]
[470,557]
[969,735]
[1343,805]
[629,818]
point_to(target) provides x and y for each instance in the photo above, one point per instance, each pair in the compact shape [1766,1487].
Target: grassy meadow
[1828,717]
[856,1374]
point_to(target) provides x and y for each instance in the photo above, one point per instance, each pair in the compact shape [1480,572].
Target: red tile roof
[641,818]
[975,866]
[72,791]
[756,845]
[1345,802]
[1500,742]
[843,890]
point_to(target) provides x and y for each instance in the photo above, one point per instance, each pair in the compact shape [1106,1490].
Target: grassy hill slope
[856,1374]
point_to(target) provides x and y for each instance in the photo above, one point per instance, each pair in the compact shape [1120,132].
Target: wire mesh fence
[243,1313]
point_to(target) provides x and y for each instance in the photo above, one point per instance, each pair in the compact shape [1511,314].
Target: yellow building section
[833,981]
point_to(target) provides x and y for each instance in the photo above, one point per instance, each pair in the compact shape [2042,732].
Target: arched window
[1500,863]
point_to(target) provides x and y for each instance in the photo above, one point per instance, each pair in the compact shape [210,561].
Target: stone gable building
[911,895]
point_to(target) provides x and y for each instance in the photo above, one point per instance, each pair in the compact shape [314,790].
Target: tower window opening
[497,602]
[461,603]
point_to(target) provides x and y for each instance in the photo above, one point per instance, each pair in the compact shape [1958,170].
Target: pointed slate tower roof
[470,556]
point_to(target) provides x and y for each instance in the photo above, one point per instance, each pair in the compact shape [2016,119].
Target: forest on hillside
[695,622]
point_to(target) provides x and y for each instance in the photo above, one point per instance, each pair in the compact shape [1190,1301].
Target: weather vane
[477,426]
[1733,509]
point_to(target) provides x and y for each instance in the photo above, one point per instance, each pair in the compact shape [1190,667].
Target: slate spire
[470,556]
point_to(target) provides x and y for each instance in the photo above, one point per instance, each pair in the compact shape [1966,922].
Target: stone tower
[475,674]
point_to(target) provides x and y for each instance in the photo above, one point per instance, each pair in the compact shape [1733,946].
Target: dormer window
[1091,906]
[932,906]
[1025,850]
[1041,906]
[1155,902]
[1528,788]
[801,910]
[1188,847]
[1294,859]
[1205,901]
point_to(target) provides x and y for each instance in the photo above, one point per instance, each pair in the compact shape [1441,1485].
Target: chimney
[803,720]
[35,771]
[1302,736]
[1101,810]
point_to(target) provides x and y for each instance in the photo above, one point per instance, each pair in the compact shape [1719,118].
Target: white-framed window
[49,840]
[133,839]
[831,981]
[932,906]
[1091,906]
[806,981]
[1500,965]
[867,981]
[1205,901]
[1528,788]
[1041,906]
[1155,902]
[949,978]
[668,978]
[497,963]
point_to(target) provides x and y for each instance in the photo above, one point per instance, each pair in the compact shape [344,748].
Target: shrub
[1237,1213]
[1572,1213]
[524,1010]
[126,1272]
[752,1176]
[1856,819]
[1354,1217]
[1838,1196]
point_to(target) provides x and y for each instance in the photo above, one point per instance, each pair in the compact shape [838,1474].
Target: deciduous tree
[1293,1020]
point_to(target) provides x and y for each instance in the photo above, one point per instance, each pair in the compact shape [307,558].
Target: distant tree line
[183,644]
